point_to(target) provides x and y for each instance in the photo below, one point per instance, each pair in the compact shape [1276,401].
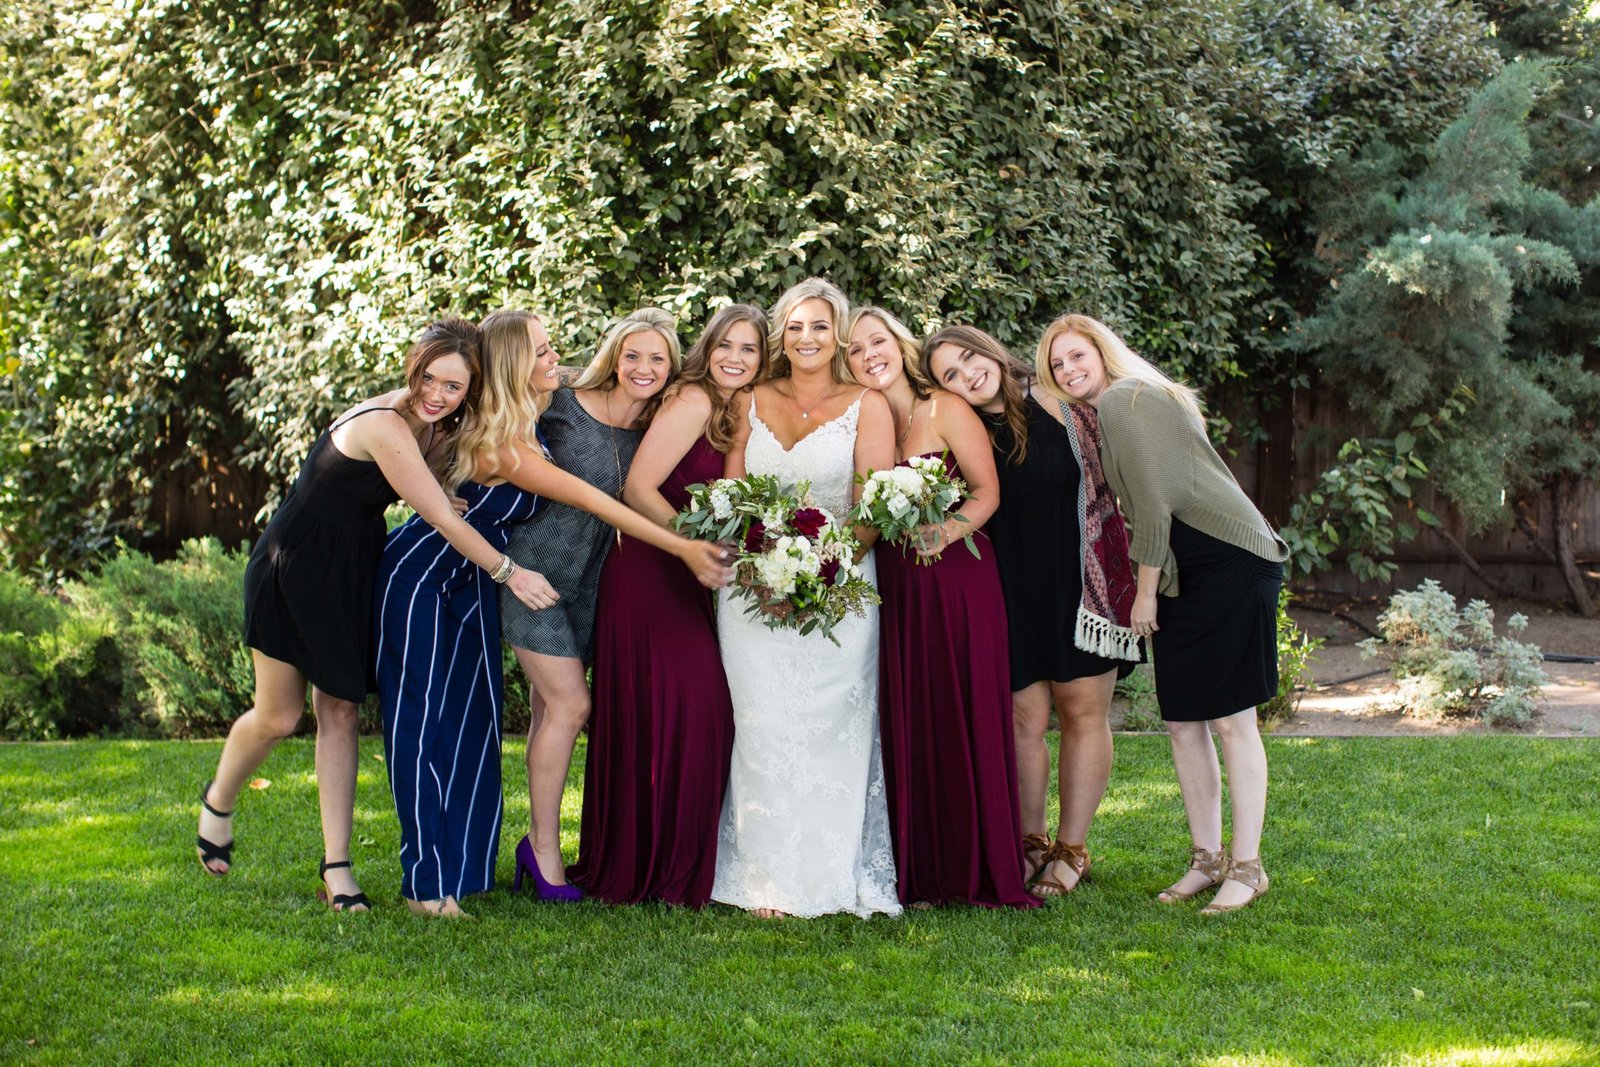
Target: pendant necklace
[805,413]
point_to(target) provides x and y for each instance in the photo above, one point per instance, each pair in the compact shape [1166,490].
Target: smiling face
[737,357]
[973,377]
[808,335]
[875,356]
[544,378]
[1077,367]
[644,363]
[443,387]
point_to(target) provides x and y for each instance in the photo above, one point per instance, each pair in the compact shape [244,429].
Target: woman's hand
[533,589]
[459,503]
[1143,618]
[932,539]
[709,561]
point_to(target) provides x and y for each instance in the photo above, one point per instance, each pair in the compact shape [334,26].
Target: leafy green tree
[1468,278]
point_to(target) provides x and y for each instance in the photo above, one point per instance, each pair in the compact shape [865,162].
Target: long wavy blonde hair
[910,348]
[697,371]
[1120,362]
[601,373]
[821,289]
[508,409]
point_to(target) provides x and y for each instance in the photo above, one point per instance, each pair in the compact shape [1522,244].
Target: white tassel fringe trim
[1105,638]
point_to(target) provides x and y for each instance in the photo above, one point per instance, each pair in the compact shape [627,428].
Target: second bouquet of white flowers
[796,565]
[899,501]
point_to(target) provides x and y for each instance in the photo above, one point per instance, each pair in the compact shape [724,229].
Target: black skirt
[1216,652]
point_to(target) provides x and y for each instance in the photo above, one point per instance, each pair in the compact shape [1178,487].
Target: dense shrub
[221,220]
[176,624]
[1453,663]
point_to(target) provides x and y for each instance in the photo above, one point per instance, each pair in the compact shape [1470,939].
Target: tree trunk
[1561,494]
[1471,564]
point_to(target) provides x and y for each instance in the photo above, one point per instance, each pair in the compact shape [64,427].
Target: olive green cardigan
[1160,464]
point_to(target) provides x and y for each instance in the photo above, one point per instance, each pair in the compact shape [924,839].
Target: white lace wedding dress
[805,821]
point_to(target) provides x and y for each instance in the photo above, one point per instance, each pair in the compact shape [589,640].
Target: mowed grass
[1434,901]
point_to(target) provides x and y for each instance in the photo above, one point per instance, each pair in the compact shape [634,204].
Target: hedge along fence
[221,220]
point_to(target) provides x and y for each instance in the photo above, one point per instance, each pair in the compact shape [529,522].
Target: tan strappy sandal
[1074,856]
[1031,844]
[1212,864]
[1246,872]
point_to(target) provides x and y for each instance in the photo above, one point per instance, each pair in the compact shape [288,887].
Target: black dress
[1036,537]
[1216,649]
[308,585]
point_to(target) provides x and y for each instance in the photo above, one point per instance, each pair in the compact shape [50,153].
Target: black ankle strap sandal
[210,850]
[343,901]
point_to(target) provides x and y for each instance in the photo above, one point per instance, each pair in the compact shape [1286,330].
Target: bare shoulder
[950,414]
[690,400]
[1050,404]
[873,401]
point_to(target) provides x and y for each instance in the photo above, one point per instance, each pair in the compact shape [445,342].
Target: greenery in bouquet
[796,564]
[899,501]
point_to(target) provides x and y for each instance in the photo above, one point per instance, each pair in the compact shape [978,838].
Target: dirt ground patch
[1350,699]
[1352,696]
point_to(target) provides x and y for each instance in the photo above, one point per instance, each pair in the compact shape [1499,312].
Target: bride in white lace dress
[805,822]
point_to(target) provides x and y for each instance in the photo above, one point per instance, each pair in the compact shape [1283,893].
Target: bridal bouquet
[899,501]
[796,565]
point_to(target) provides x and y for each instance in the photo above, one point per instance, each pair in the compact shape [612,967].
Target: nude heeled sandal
[1212,864]
[1246,872]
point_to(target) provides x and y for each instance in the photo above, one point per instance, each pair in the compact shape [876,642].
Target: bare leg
[1246,760]
[559,685]
[1200,781]
[338,759]
[1083,707]
[280,698]
[1030,717]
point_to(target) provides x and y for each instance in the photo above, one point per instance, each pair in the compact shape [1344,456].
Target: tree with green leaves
[1468,280]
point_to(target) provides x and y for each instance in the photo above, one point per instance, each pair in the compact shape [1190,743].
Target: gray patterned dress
[566,544]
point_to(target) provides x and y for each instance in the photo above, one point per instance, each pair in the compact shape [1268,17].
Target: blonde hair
[1120,362]
[724,418]
[810,289]
[910,347]
[1015,378]
[601,373]
[508,409]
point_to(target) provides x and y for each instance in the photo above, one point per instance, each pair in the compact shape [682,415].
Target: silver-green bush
[1452,662]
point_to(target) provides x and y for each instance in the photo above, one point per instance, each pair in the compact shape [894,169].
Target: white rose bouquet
[796,565]
[899,501]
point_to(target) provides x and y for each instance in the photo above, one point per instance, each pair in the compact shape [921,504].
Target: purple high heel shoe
[526,863]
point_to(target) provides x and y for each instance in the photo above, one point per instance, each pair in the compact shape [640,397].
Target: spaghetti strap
[353,414]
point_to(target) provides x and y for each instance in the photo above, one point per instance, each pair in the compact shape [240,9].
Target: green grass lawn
[1433,901]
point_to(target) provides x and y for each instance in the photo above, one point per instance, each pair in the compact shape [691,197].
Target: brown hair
[1017,376]
[451,335]
[697,370]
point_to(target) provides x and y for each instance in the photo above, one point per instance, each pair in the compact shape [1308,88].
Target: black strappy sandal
[210,850]
[344,901]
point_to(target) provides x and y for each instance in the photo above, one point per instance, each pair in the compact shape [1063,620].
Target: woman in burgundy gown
[662,727]
[945,687]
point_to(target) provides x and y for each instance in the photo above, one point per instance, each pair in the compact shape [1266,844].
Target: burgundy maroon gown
[661,732]
[949,757]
